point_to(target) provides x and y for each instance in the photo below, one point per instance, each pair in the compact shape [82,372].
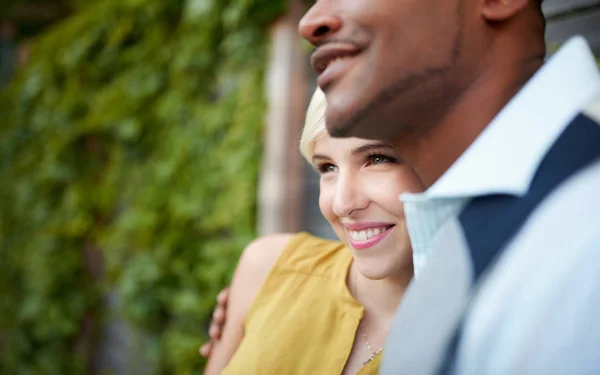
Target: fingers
[214,332]
[216,324]
[218,317]
[206,349]
[223,297]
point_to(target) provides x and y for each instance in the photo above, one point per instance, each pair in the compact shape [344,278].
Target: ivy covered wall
[129,155]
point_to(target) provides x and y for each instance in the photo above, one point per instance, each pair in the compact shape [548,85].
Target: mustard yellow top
[304,319]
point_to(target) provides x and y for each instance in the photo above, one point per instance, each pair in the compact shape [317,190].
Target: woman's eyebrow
[320,157]
[370,147]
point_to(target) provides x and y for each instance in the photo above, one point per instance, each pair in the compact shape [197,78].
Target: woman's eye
[326,168]
[378,159]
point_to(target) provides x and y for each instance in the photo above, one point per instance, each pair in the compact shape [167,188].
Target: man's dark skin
[426,75]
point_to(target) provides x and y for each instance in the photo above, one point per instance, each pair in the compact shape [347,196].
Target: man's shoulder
[592,109]
[555,246]
[569,216]
[541,291]
[573,206]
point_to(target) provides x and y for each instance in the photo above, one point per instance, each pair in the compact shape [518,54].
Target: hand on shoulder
[234,302]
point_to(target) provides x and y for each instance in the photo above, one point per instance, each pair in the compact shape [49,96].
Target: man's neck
[433,152]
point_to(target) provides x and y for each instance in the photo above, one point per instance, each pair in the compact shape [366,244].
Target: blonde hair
[314,125]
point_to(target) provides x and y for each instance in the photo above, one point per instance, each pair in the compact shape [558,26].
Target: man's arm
[255,263]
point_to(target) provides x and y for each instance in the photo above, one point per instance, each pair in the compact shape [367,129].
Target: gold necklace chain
[354,289]
[373,352]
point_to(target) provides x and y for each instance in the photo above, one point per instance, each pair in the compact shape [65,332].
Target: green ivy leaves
[134,133]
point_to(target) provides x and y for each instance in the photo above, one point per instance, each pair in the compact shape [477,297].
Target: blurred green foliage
[135,130]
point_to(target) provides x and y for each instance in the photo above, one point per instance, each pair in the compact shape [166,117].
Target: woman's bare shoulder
[262,253]
[252,269]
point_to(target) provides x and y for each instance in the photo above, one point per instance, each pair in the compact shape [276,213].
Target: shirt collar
[506,155]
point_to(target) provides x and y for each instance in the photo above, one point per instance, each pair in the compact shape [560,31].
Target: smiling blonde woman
[303,305]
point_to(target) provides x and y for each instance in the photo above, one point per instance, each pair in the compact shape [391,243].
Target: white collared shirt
[512,330]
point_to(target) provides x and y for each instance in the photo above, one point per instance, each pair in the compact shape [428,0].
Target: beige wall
[281,179]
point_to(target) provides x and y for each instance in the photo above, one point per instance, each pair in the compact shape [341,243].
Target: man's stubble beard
[412,104]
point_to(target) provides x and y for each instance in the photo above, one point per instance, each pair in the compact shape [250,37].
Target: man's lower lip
[362,245]
[333,72]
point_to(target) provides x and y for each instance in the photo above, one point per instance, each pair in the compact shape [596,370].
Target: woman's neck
[380,298]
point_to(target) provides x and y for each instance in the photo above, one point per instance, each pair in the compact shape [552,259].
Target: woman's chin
[372,271]
[380,269]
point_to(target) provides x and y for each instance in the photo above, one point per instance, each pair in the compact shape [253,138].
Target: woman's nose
[349,195]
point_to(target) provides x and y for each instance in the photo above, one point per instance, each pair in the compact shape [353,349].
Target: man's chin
[348,124]
[350,115]
[363,119]
[337,131]
[341,116]
[336,126]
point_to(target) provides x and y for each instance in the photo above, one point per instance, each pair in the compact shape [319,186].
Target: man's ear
[502,10]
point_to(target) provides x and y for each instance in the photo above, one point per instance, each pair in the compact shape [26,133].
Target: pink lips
[361,245]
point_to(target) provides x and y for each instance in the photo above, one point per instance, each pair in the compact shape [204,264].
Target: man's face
[385,64]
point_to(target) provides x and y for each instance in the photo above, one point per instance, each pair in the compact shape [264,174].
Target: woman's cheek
[326,202]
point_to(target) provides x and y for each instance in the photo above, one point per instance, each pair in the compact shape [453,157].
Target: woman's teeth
[363,235]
